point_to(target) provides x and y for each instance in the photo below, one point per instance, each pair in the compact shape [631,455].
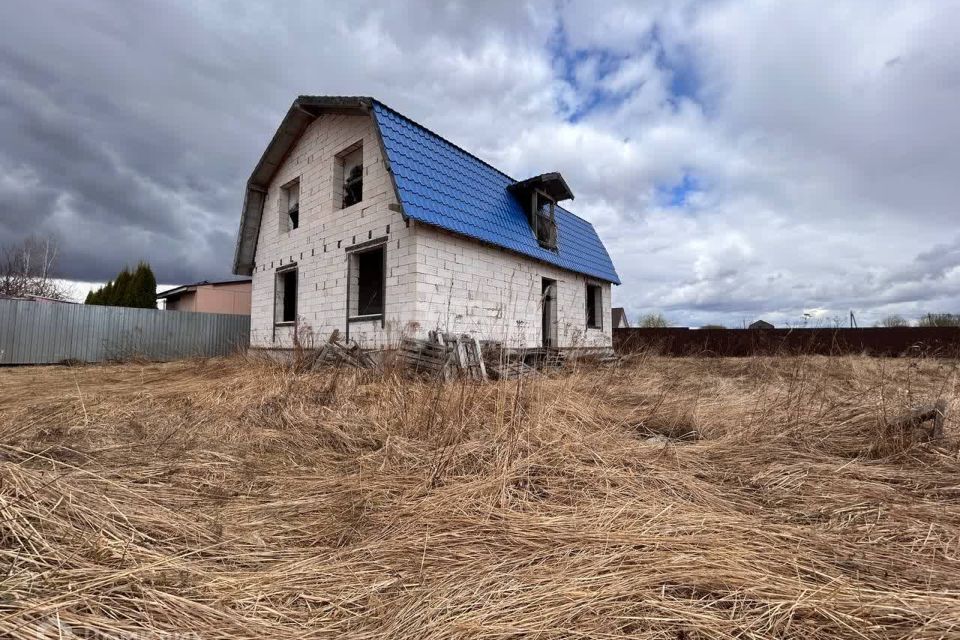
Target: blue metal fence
[48,332]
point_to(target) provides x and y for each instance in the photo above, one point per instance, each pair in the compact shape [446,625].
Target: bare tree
[653,321]
[894,320]
[940,320]
[27,269]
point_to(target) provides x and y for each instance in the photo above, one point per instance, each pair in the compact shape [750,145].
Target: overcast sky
[739,159]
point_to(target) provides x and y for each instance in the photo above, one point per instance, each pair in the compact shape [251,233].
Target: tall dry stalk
[244,498]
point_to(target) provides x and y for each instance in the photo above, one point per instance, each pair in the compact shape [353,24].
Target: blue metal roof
[442,185]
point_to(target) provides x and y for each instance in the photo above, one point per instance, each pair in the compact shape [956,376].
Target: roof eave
[551,183]
[176,291]
[595,276]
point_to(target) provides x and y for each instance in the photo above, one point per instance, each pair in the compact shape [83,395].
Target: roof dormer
[539,196]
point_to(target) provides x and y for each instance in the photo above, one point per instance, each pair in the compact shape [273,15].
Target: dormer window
[544,222]
[539,197]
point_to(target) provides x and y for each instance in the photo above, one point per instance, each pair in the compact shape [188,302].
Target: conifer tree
[129,289]
[143,287]
[121,290]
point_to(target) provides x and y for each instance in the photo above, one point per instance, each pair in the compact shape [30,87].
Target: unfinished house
[358,219]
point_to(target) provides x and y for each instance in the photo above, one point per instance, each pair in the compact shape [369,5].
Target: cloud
[808,151]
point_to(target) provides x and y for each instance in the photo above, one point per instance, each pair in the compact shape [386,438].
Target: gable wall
[322,265]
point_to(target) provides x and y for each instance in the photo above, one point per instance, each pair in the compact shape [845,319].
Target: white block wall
[318,244]
[464,286]
[434,279]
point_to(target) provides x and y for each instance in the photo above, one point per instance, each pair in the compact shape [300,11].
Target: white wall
[321,263]
[465,286]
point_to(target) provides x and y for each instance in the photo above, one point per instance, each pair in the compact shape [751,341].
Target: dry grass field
[668,498]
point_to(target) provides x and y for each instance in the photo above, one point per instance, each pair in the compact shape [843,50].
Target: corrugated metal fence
[46,332]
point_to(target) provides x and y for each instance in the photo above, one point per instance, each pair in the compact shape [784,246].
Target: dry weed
[687,498]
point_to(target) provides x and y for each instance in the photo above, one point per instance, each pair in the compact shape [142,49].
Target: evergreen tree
[106,294]
[99,296]
[121,290]
[143,287]
[129,289]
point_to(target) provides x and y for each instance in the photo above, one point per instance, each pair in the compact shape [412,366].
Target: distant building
[618,318]
[230,296]
[761,324]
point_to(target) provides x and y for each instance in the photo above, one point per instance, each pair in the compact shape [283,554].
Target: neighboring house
[761,324]
[359,219]
[618,318]
[230,296]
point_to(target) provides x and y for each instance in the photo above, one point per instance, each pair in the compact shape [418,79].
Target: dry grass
[678,499]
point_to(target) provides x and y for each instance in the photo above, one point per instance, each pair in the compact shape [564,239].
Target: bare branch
[28,268]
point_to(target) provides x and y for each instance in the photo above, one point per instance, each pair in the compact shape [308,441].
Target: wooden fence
[879,341]
[49,332]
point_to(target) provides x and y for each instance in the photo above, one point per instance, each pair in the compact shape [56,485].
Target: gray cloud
[820,140]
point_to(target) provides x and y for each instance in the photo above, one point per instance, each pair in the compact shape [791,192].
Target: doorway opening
[548,301]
